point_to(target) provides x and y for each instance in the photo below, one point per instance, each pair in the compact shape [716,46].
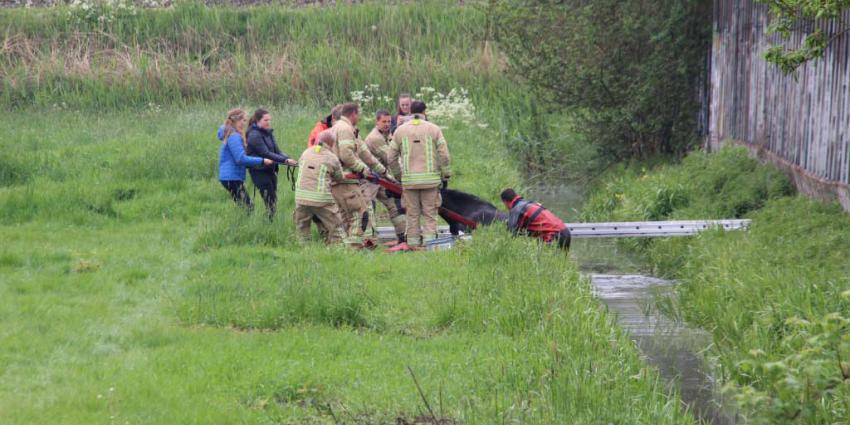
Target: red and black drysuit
[535,220]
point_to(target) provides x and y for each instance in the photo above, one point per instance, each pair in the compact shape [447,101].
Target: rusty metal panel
[804,120]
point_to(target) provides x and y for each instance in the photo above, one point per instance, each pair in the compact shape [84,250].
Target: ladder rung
[645,229]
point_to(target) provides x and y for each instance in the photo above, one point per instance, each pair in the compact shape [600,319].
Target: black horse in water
[471,207]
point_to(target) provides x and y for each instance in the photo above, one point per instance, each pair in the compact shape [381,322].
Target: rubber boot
[400,238]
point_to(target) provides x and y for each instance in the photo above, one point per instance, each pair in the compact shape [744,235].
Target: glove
[373,177]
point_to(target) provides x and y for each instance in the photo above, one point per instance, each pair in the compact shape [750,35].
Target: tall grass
[277,55]
[775,297]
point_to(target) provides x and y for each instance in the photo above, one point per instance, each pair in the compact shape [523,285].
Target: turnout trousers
[424,203]
[373,192]
[328,215]
[352,207]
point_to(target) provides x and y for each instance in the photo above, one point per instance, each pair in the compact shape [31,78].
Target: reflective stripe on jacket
[352,152]
[379,145]
[317,167]
[422,152]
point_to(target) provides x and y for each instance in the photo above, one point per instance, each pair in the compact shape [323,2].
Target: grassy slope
[275,55]
[194,53]
[775,297]
[134,291]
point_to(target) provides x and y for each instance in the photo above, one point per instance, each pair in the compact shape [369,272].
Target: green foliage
[266,300]
[135,291]
[791,16]
[627,70]
[774,297]
[808,383]
[147,58]
[273,55]
[727,184]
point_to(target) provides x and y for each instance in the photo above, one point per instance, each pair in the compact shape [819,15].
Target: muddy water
[671,347]
[627,289]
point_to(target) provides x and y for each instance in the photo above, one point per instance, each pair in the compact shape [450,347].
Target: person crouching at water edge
[318,168]
[261,142]
[532,219]
[233,160]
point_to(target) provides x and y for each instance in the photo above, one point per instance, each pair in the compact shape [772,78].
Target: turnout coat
[420,154]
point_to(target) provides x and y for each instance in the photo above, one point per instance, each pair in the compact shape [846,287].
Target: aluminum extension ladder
[635,229]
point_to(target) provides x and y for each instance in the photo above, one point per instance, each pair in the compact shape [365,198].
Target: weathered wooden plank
[804,121]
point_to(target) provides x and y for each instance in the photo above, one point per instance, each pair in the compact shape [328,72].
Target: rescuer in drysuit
[531,218]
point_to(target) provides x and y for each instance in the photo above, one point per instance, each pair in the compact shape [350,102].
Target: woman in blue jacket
[233,160]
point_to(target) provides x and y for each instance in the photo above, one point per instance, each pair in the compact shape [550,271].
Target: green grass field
[134,291]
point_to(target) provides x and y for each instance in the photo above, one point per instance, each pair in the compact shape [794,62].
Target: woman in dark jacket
[261,143]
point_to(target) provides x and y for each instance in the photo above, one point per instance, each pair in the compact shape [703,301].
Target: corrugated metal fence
[803,122]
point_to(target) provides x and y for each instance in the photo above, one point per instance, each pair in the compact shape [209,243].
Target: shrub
[725,185]
[629,76]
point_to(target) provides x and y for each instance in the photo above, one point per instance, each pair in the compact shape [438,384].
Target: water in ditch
[630,292]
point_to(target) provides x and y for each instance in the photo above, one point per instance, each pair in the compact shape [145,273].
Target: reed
[277,55]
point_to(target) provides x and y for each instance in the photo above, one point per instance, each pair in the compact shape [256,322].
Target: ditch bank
[776,298]
[623,282]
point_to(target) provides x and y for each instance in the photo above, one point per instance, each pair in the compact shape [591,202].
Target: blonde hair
[234,116]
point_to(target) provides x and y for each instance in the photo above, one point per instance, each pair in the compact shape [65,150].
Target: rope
[290,175]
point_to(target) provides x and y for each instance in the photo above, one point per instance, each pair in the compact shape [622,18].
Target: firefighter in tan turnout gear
[318,167]
[424,161]
[378,142]
[348,193]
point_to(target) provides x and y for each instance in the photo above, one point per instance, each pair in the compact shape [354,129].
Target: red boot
[402,247]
